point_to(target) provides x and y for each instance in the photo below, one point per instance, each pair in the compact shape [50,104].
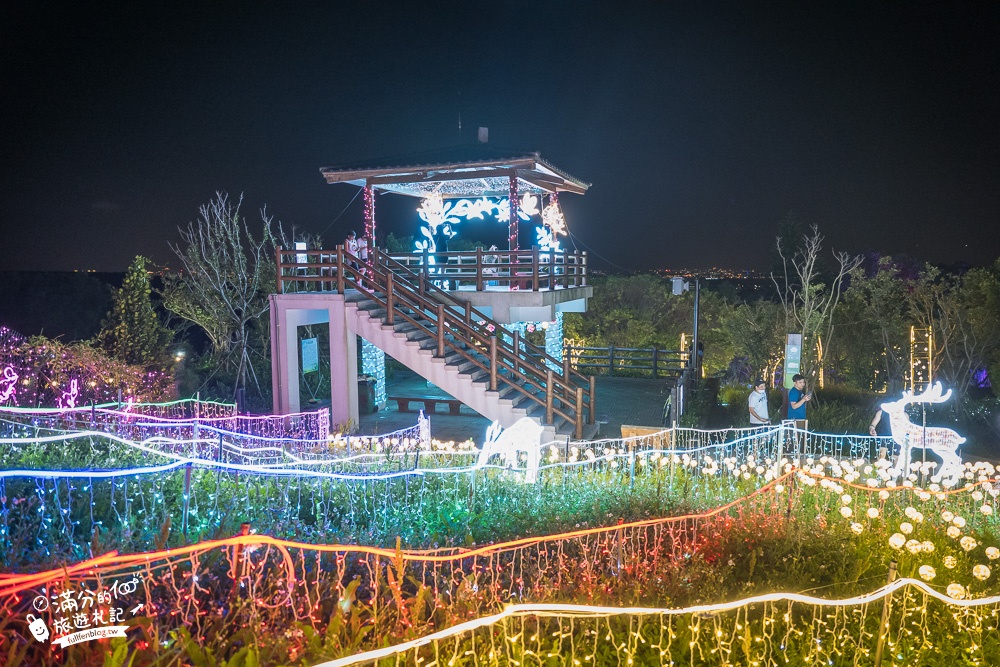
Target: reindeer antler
[932,394]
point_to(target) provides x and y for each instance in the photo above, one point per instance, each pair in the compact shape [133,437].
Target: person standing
[757,404]
[351,244]
[797,399]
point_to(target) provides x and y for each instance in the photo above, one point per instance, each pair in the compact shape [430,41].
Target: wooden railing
[478,269]
[413,297]
[627,360]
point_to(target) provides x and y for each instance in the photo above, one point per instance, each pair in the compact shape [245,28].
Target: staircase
[461,350]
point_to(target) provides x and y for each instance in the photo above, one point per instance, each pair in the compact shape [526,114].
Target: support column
[343,371]
[512,234]
[373,364]
[370,216]
[554,341]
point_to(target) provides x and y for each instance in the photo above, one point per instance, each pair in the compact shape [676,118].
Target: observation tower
[465,319]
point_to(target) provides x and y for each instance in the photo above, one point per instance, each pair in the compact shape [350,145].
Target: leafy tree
[809,300]
[874,325]
[963,313]
[228,273]
[756,331]
[132,331]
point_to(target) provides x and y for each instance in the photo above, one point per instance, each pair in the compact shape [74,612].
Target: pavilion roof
[466,171]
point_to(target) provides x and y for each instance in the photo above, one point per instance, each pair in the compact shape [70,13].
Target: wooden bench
[430,403]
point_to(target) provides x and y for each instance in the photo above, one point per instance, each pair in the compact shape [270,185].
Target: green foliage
[641,312]
[50,367]
[131,331]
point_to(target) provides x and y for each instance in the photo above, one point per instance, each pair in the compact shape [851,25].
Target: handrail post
[579,413]
[479,269]
[611,361]
[390,300]
[422,286]
[654,362]
[584,267]
[468,313]
[441,326]
[424,264]
[534,268]
[340,269]
[566,364]
[517,349]
[493,363]
[277,257]
[593,400]
[549,417]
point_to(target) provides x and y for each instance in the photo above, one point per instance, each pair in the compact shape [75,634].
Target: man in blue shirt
[797,399]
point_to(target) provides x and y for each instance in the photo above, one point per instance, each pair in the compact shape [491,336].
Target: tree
[224,285]
[963,314]
[132,331]
[808,300]
[876,317]
[756,332]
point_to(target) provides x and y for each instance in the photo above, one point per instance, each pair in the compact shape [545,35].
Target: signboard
[310,355]
[793,357]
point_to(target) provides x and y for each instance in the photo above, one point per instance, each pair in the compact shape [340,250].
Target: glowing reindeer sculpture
[524,436]
[942,441]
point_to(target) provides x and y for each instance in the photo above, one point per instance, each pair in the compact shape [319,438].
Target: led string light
[584,611]
[631,548]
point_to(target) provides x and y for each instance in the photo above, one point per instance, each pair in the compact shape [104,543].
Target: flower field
[698,548]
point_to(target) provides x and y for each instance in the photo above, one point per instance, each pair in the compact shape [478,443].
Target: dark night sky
[700,125]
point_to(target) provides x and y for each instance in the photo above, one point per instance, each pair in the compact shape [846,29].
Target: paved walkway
[637,402]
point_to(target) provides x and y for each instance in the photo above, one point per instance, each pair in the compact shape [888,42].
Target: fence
[627,360]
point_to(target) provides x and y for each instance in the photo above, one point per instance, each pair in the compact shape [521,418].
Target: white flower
[780,488]
[947,516]
[956,591]
[846,499]
[992,553]
[857,528]
[953,532]
[927,572]
[872,512]
[847,512]
[977,495]
[906,528]
[927,546]
[883,495]
[986,509]
[959,521]
[950,562]
[910,512]
[968,543]
[981,572]
[914,546]
[897,541]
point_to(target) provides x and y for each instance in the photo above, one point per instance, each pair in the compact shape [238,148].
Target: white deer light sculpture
[942,441]
[524,436]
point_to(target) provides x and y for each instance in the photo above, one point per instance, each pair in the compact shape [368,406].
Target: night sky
[700,126]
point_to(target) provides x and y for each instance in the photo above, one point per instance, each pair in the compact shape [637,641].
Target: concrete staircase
[464,370]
